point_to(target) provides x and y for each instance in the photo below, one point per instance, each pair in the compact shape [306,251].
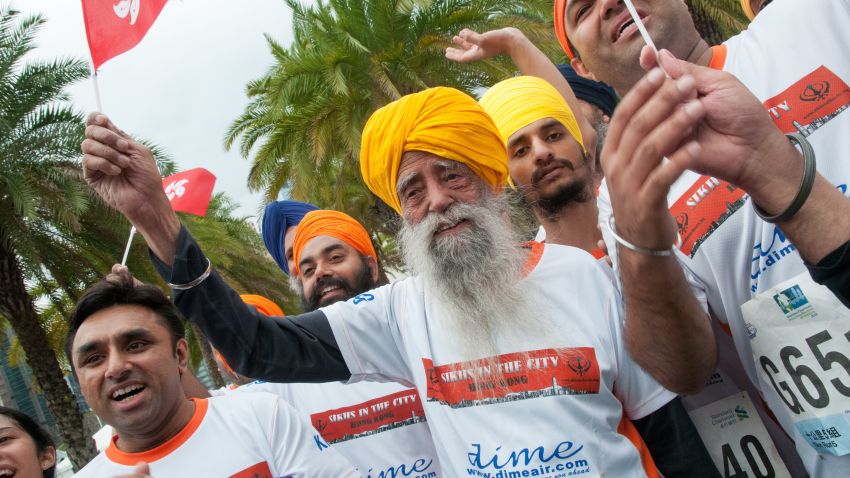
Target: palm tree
[717,20]
[302,124]
[40,205]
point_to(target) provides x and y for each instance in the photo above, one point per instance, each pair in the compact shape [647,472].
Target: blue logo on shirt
[363,298]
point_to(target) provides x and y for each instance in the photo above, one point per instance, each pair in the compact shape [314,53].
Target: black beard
[362,283]
[575,192]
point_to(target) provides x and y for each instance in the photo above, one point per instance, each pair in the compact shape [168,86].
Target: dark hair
[121,290]
[38,434]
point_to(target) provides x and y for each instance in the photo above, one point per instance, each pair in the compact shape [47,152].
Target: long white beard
[477,274]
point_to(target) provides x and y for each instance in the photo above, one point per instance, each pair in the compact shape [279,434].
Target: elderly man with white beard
[519,352]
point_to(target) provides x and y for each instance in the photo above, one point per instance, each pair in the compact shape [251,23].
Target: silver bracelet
[643,250]
[806,183]
[194,282]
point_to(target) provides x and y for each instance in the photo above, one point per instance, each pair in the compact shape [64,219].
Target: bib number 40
[751,448]
[806,381]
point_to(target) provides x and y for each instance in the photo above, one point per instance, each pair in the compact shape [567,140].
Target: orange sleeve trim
[598,253]
[718,57]
[630,432]
[534,257]
[173,443]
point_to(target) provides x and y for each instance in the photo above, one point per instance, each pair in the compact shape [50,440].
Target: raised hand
[736,136]
[124,173]
[652,121]
[474,46]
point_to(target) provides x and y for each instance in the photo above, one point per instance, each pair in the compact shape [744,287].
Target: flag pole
[97,103]
[129,243]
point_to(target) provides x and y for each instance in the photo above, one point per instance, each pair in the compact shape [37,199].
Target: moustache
[538,174]
[315,297]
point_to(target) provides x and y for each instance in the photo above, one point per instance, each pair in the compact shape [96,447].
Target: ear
[47,457]
[582,70]
[372,264]
[181,352]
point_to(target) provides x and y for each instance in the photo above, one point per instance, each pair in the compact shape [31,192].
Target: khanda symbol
[320,425]
[127,7]
[815,91]
[579,365]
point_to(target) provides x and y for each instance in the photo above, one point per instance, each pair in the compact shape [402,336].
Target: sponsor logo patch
[519,376]
[809,103]
[368,418]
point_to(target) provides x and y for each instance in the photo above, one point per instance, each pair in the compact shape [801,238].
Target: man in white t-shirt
[126,347]
[379,427]
[521,365]
[792,58]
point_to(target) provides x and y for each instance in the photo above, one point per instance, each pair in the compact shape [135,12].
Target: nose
[609,8]
[323,269]
[116,366]
[439,198]
[541,150]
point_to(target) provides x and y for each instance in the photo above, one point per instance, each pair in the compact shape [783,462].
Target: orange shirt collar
[161,451]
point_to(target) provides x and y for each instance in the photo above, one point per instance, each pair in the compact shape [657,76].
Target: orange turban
[265,307]
[334,224]
[441,121]
[560,27]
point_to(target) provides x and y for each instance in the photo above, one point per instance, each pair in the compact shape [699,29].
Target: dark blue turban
[594,92]
[280,216]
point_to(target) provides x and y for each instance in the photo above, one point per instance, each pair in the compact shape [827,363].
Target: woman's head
[26,449]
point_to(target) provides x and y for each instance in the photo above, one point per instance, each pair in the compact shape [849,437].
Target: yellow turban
[517,102]
[441,121]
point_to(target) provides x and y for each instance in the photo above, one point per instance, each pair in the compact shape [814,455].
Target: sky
[184,83]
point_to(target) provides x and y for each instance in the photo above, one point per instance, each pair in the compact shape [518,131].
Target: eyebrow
[325,251]
[405,181]
[137,333]
[547,125]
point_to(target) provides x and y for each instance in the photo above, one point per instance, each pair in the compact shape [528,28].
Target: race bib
[737,440]
[800,337]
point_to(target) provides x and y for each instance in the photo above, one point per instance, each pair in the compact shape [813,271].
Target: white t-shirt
[794,58]
[569,388]
[250,435]
[379,427]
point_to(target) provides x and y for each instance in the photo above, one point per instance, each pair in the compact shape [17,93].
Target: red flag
[190,191]
[115,26]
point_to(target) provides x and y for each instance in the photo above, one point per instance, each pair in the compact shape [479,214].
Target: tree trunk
[17,306]
[207,356]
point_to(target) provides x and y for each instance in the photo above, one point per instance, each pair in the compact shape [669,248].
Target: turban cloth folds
[441,121]
[517,102]
[333,224]
[594,92]
[280,216]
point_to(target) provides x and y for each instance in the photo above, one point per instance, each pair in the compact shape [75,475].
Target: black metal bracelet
[806,183]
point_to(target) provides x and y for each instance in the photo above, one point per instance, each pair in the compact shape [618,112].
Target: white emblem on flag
[128,7]
[176,189]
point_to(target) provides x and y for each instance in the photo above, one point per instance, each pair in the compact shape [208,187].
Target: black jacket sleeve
[674,443]
[299,348]
[833,271]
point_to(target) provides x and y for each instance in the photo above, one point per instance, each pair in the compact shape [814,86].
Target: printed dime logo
[127,7]
[741,412]
[794,303]
[682,222]
[815,91]
[752,331]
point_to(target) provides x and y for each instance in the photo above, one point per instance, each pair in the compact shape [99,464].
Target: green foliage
[302,125]
[717,20]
